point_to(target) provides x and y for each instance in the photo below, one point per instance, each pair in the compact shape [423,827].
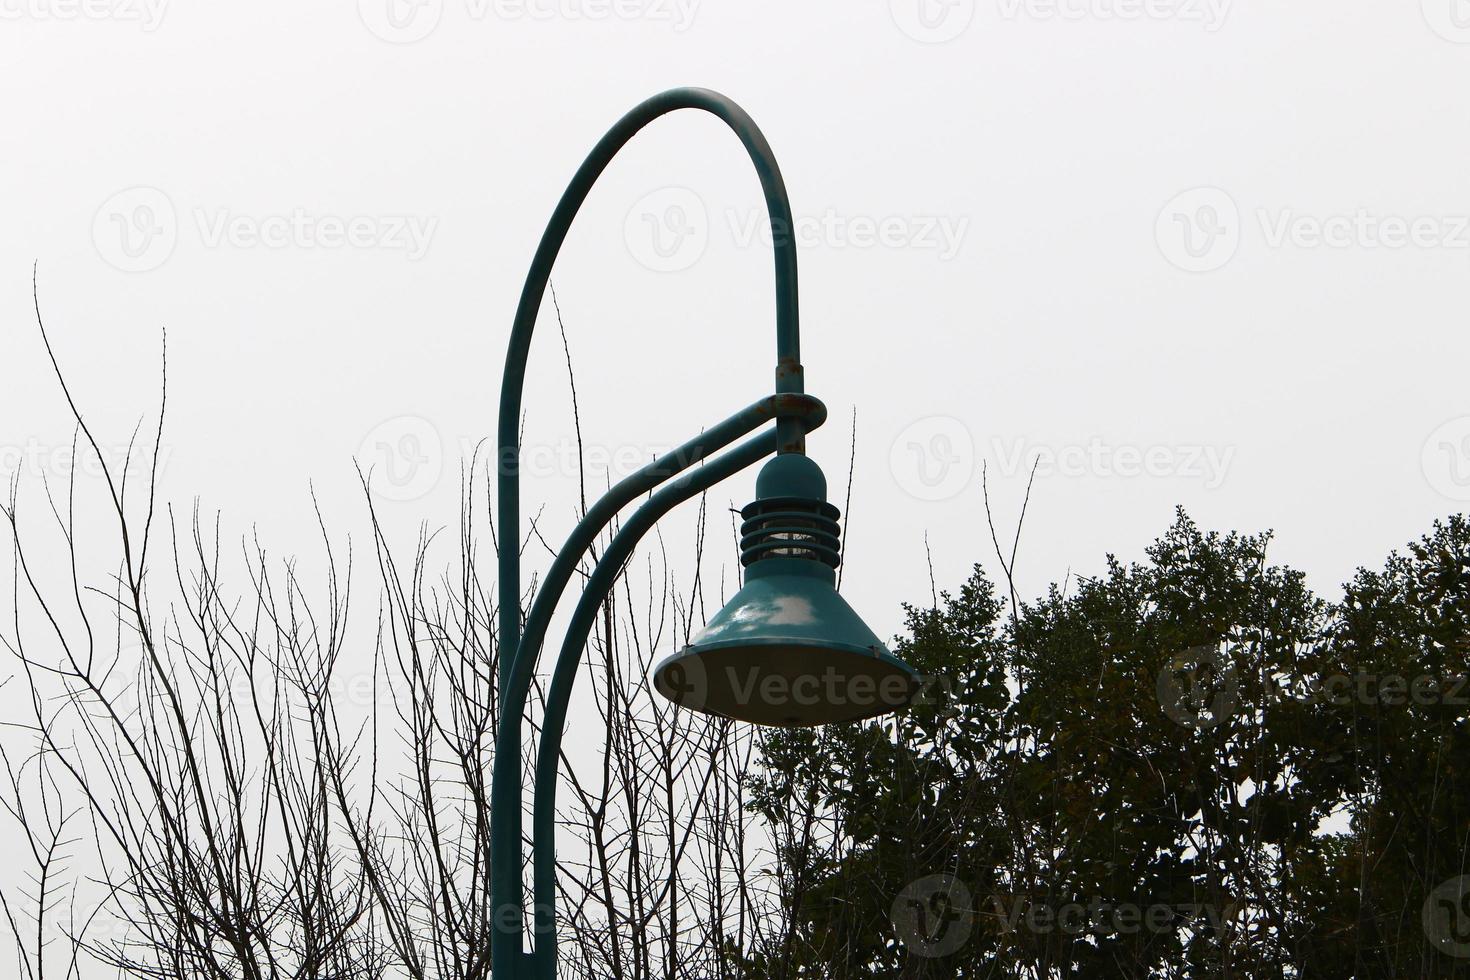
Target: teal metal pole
[505,784]
[515,670]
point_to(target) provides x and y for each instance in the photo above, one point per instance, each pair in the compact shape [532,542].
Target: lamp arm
[513,682]
[599,585]
[788,331]
[505,791]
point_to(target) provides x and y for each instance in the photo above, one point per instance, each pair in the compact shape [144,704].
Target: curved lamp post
[786,650]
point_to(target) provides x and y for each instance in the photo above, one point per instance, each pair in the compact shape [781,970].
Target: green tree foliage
[1188,766]
[1398,702]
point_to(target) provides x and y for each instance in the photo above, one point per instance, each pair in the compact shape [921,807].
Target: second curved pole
[595,591]
[508,897]
[507,894]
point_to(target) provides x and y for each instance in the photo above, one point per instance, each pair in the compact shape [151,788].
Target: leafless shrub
[209,783]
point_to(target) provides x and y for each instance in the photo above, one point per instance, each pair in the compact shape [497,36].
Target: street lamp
[786,650]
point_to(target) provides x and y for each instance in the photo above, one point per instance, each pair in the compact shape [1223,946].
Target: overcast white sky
[1193,252]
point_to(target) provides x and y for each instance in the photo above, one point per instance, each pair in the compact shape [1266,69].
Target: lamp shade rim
[844,682]
[876,652]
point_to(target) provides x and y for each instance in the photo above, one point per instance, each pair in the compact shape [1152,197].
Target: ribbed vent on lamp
[790,527]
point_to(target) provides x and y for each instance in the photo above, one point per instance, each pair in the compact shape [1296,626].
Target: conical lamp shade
[787,650]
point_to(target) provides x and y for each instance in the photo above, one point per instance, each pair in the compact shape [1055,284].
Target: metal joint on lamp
[787,650]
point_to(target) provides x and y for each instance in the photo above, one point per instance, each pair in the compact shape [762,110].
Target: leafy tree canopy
[1188,766]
